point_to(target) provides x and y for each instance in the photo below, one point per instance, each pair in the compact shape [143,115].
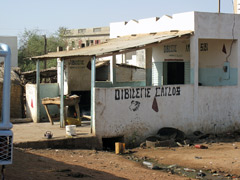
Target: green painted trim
[149,76]
[217,76]
[104,84]
[131,84]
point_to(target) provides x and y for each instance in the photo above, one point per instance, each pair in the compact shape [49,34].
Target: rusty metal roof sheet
[118,45]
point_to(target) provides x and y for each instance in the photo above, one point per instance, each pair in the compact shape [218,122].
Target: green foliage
[32,44]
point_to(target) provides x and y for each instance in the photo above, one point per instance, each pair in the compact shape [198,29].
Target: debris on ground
[166,137]
[171,133]
[172,137]
[200,146]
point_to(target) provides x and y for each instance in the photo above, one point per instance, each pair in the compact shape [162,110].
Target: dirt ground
[55,164]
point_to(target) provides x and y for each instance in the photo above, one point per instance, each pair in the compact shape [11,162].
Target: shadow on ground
[27,166]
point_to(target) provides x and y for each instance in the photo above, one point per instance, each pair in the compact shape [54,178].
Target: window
[165,73]
[79,43]
[73,44]
[97,41]
[81,30]
[82,45]
[96,29]
[87,43]
[68,32]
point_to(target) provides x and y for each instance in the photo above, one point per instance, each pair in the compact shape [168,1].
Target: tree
[32,44]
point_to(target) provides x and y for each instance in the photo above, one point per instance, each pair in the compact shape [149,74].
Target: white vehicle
[6,135]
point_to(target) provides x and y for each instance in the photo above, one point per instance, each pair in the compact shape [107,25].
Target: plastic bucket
[71,130]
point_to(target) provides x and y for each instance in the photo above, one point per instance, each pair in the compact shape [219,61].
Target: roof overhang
[120,45]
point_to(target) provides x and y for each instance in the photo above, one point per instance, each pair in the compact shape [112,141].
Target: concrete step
[89,142]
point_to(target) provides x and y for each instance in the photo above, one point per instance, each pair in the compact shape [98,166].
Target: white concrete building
[12,42]
[84,37]
[195,81]
[192,77]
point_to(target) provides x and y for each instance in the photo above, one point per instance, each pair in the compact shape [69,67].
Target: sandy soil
[57,164]
[77,164]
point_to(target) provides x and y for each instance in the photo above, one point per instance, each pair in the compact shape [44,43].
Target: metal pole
[113,70]
[62,122]
[45,50]
[38,89]
[219,6]
[93,77]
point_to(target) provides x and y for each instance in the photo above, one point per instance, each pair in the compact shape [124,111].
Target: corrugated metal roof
[118,45]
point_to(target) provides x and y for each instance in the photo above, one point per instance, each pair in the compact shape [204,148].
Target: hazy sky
[49,15]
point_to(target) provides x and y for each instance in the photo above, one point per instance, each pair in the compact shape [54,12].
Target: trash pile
[171,137]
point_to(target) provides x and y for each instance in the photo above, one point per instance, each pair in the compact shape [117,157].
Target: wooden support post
[78,112]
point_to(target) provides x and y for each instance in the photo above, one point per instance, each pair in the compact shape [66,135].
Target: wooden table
[68,101]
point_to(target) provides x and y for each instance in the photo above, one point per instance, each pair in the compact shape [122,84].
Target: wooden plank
[49,116]
[78,112]
[87,117]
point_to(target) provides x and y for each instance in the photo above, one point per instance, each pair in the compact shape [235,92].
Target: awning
[119,45]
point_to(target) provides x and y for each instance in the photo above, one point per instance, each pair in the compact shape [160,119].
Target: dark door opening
[175,73]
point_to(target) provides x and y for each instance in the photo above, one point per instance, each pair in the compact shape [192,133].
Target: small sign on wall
[204,47]
[76,64]
[170,48]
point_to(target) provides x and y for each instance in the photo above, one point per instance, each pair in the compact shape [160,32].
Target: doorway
[175,73]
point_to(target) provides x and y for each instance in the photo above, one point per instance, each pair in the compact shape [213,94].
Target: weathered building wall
[174,52]
[212,108]
[217,30]
[31,102]
[219,109]
[133,112]
[125,74]
[79,38]
[46,90]
[212,60]
[118,114]
[79,74]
